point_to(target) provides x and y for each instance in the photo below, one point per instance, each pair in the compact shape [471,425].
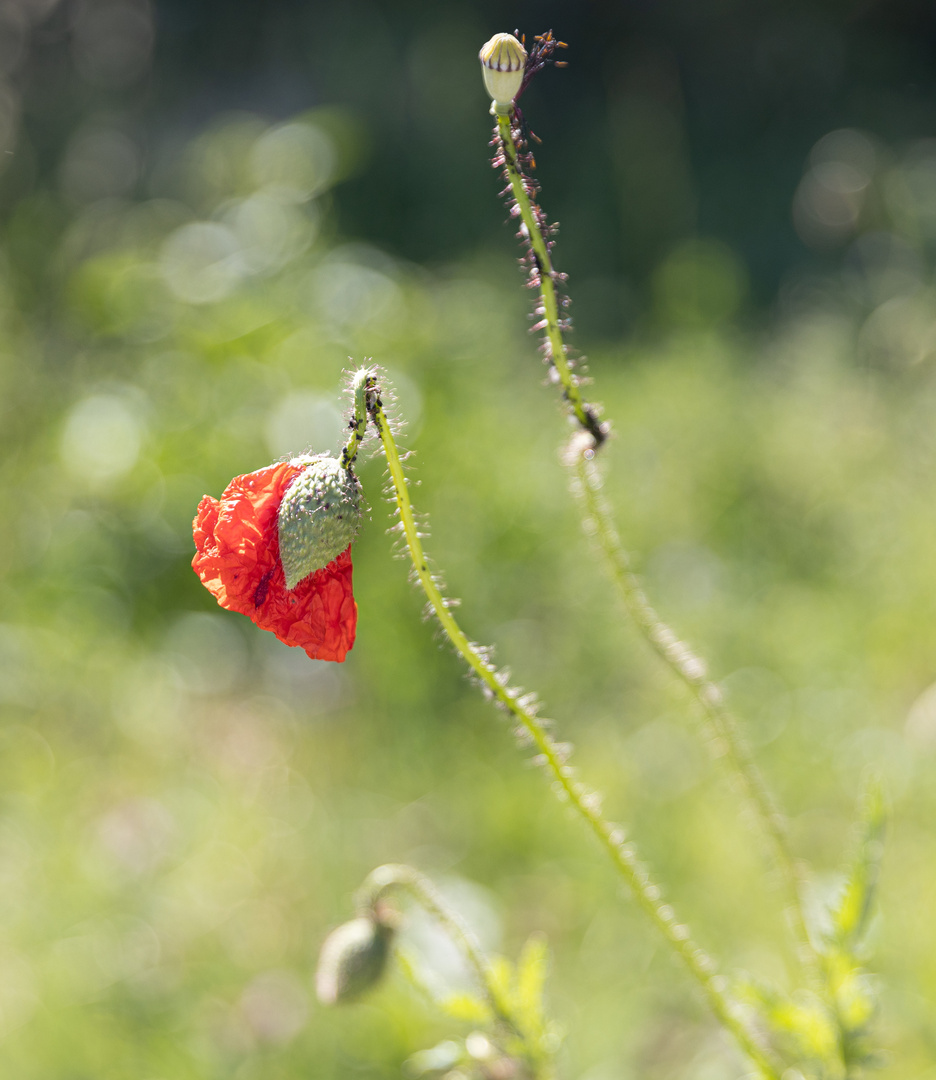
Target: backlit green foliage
[186,804]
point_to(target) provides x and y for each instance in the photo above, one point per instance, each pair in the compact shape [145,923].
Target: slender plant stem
[392,876]
[553,757]
[357,425]
[547,283]
[689,668]
[396,875]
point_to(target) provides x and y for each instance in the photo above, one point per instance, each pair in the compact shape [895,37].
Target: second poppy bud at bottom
[353,959]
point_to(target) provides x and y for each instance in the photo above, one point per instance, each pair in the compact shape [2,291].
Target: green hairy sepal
[318,517]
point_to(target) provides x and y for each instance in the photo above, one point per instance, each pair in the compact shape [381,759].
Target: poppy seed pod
[352,960]
[503,59]
[318,517]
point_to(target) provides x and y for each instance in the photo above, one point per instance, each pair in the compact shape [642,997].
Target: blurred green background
[206,210]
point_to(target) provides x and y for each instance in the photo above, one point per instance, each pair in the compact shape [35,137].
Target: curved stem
[691,670]
[385,878]
[399,876]
[554,758]
[357,423]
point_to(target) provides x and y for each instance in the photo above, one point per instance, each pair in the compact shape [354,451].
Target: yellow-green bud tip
[502,62]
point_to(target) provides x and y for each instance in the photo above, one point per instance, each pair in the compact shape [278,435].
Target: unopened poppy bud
[318,517]
[352,960]
[502,62]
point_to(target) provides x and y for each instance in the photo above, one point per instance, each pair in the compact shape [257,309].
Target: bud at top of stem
[503,59]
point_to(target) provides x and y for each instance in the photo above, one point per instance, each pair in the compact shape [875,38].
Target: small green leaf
[467,1007]
[856,1001]
[501,976]
[850,914]
[529,982]
[806,1024]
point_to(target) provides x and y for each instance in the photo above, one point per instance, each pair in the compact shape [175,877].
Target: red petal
[237,559]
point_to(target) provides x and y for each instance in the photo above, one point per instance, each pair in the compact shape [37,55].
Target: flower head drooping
[308,509]
[318,517]
[353,958]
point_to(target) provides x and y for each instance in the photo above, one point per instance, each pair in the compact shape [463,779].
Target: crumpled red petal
[237,559]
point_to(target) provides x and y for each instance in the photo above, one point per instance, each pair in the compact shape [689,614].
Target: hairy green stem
[357,424]
[398,876]
[547,284]
[689,668]
[553,758]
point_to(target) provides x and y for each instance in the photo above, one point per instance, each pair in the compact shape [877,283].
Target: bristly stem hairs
[553,756]
[537,237]
[512,155]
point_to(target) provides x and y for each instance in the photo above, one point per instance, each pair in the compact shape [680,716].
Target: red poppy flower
[238,561]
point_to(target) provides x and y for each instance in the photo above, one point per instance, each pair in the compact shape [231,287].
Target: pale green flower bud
[502,63]
[352,960]
[318,517]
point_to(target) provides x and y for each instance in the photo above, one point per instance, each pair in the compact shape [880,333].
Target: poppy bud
[318,517]
[352,960]
[503,59]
